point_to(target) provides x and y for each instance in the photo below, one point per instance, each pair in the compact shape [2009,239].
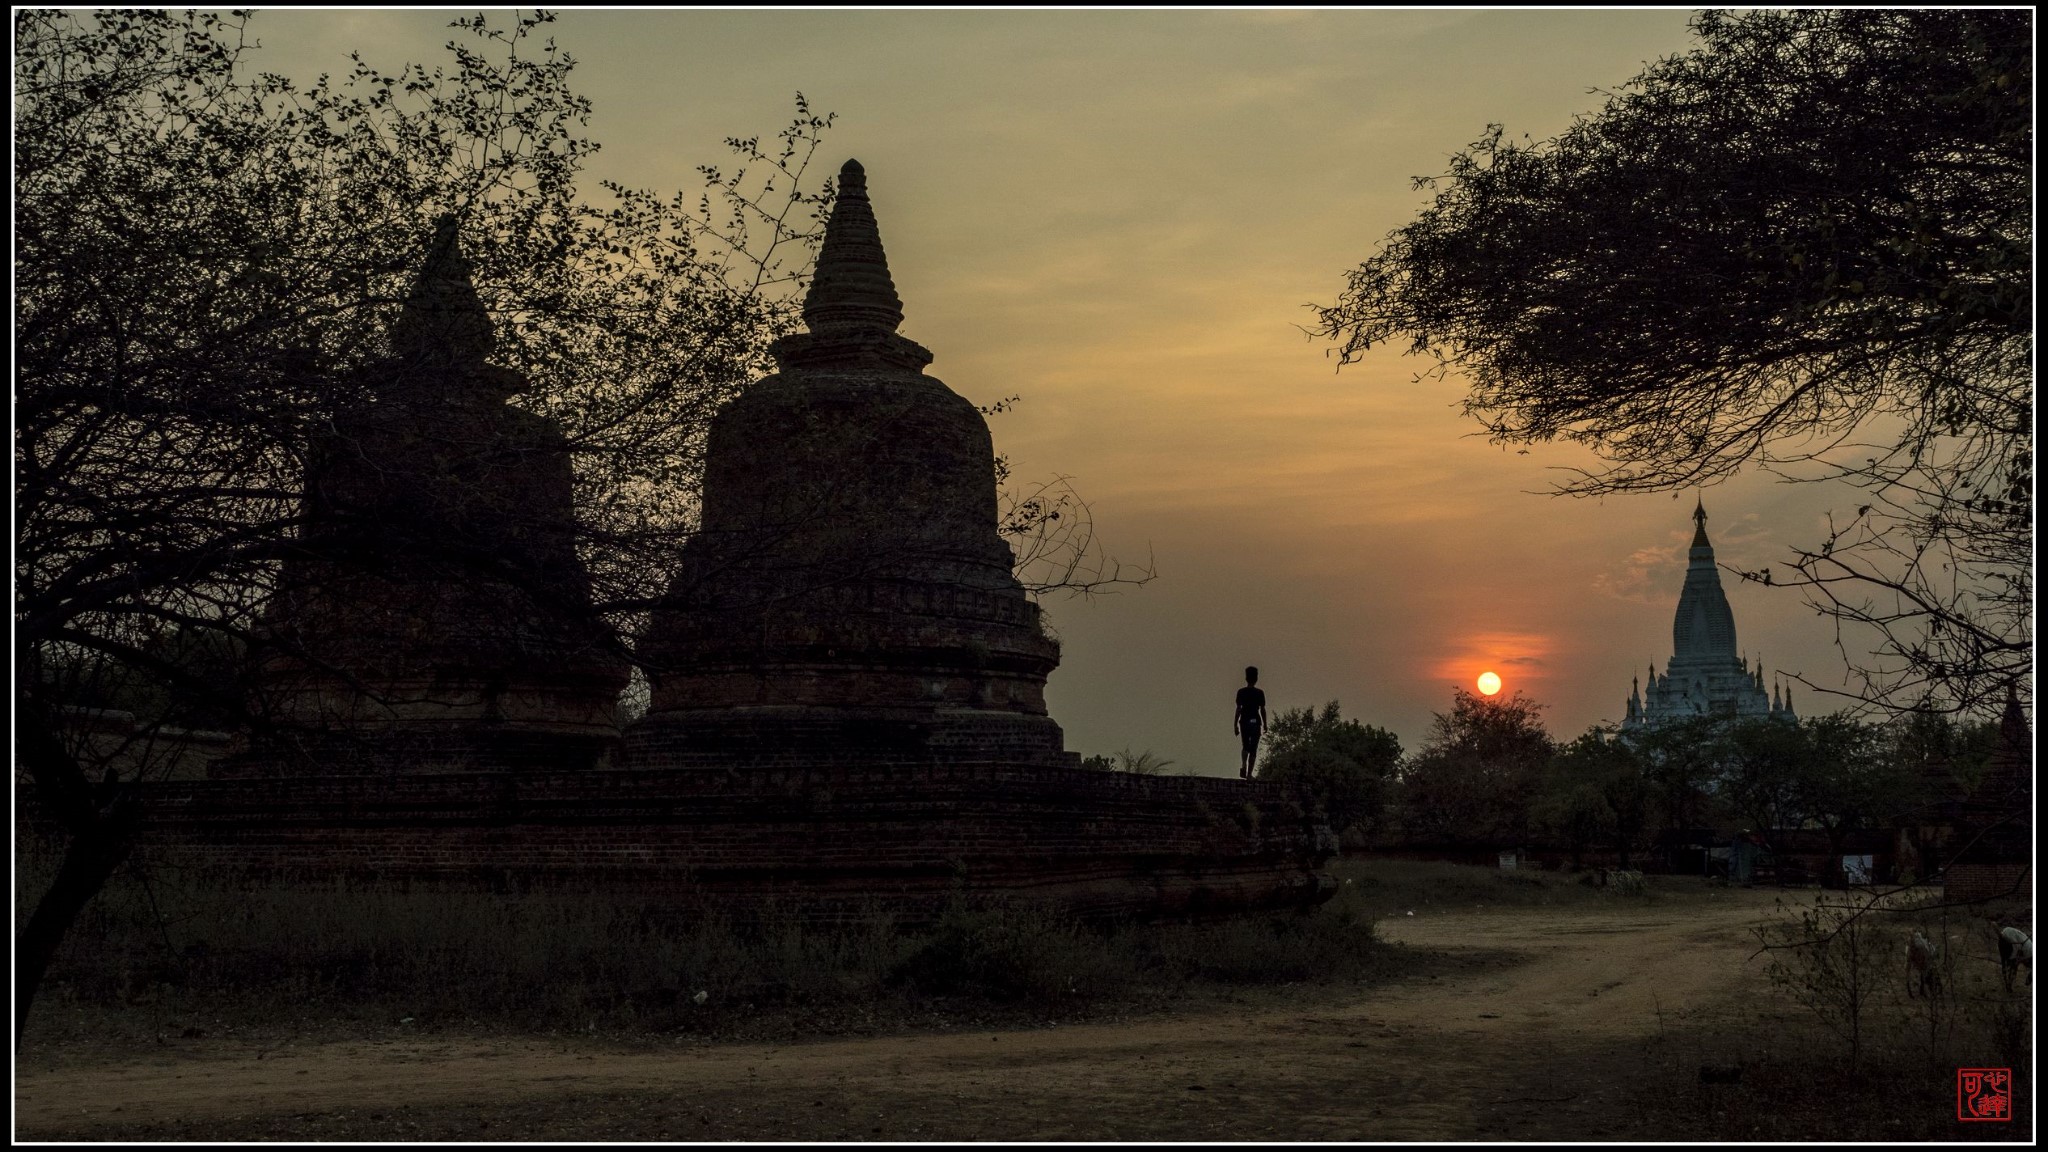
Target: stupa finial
[851,287]
[444,323]
[852,309]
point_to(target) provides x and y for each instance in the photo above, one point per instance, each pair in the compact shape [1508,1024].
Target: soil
[1535,1029]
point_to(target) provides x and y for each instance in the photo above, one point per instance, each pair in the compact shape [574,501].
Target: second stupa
[848,598]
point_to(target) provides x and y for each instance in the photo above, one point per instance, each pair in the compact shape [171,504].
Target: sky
[1121,218]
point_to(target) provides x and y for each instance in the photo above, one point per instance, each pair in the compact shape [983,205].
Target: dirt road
[1541,1046]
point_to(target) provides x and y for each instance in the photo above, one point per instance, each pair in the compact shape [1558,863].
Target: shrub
[1338,765]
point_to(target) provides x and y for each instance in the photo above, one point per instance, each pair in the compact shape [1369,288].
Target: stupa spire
[852,309]
[1699,520]
[852,287]
[444,323]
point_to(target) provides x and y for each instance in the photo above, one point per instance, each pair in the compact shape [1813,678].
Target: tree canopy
[1474,778]
[1805,245]
[206,258]
[1341,765]
[1596,788]
[208,264]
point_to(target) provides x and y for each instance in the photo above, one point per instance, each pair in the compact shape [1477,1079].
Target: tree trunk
[91,858]
[101,822]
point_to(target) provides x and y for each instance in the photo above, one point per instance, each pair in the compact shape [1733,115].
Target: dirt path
[1512,1050]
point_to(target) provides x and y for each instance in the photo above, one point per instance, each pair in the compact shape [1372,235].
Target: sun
[1489,684]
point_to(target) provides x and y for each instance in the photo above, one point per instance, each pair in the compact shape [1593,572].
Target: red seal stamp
[1984,1094]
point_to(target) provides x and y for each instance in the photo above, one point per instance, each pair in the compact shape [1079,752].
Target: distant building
[1992,838]
[1705,676]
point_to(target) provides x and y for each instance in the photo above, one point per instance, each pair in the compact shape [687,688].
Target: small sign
[1507,861]
[1984,1094]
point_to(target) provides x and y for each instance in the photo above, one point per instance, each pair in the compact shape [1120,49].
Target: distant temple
[1706,675]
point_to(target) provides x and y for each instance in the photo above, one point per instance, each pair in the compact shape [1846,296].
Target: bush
[1833,958]
[1337,765]
[1146,763]
[1010,952]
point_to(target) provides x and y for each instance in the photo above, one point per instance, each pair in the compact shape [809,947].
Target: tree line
[1490,775]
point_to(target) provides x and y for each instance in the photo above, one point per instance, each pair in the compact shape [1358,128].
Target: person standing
[1249,721]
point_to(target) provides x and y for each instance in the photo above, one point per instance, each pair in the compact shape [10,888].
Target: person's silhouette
[1249,720]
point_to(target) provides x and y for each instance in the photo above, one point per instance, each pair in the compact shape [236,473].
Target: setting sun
[1488,683]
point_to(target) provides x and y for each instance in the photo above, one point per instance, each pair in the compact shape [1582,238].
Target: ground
[1542,1023]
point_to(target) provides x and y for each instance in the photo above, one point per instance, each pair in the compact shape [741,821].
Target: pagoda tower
[1706,675]
[848,598]
[437,615]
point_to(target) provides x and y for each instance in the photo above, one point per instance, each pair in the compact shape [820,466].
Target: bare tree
[208,263]
[1051,529]
[219,281]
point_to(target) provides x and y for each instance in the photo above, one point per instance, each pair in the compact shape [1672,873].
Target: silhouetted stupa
[1992,844]
[438,613]
[848,598]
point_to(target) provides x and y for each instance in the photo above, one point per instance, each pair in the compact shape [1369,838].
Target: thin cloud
[1524,653]
[1644,578]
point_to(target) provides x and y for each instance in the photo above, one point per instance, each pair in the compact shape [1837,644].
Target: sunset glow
[1344,531]
[1488,684]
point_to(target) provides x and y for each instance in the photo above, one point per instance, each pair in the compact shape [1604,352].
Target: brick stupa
[848,599]
[438,617]
[844,638]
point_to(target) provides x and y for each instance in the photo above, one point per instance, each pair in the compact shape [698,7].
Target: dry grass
[1793,1078]
[197,956]
[1388,887]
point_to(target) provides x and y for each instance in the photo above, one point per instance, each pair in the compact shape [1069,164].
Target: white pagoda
[1706,676]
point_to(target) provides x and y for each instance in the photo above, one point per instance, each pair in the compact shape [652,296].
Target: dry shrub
[1852,1056]
[561,960]
[1010,951]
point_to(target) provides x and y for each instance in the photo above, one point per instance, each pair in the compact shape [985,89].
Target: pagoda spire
[852,310]
[852,287]
[444,323]
[1699,520]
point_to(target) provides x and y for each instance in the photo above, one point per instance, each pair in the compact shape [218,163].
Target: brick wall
[1969,881]
[828,838]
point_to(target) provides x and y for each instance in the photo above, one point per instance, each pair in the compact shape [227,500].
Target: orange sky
[1119,217]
